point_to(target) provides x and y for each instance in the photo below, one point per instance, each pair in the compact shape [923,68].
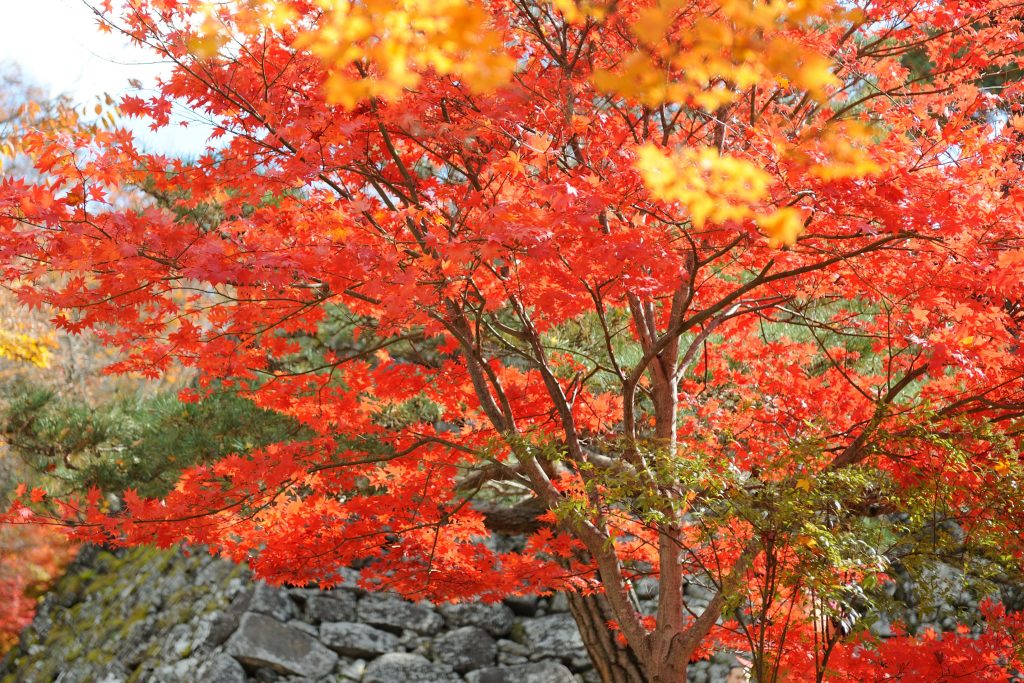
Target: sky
[57,45]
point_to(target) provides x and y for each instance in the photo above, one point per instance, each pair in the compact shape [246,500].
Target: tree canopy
[726,292]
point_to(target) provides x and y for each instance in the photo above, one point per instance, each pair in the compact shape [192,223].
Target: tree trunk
[670,661]
[615,663]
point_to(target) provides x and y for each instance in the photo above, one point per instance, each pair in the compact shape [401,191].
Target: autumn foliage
[31,557]
[726,292]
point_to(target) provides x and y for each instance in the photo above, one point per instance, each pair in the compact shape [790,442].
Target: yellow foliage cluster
[207,41]
[712,187]
[223,22]
[836,151]
[708,61]
[685,54]
[27,348]
[717,189]
[576,11]
[400,37]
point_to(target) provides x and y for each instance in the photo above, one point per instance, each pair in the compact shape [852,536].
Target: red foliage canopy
[719,290]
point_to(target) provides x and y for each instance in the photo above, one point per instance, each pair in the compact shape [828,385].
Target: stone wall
[160,616]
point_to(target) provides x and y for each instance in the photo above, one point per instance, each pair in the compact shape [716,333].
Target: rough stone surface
[523,605]
[183,670]
[264,642]
[222,668]
[112,614]
[558,603]
[166,617]
[351,671]
[272,601]
[308,629]
[538,672]
[357,640]
[337,606]
[393,613]
[405,668]
[150,616]
[552,637]
[495,618]
[465,649]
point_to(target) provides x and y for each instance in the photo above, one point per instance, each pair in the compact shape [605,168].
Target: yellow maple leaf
[712,187]
[402,38]
[807,541]
[783,227]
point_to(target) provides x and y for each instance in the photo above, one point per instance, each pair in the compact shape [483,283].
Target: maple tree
[721,292]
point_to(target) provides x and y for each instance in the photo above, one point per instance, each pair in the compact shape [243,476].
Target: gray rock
[347,578]
[511,652]
[224,623]
[466,648]
[646,588]
[558,602]
[183,670]
[272,601]
[222,669]
[406,668]
[699,591]
[523,605]
[351,670]
[495,618]
[408,640]
[882,626]
[718,672]
[579,662]
[538,672]
[553,637]
[396,614]
[267,676]
[338,606]
[135,654]
[221,628]
[114,677]
[304,627]
[43,622]
[513,648]
[214,572]
[300,595]
[261,641]
[357,640]
[177,643]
